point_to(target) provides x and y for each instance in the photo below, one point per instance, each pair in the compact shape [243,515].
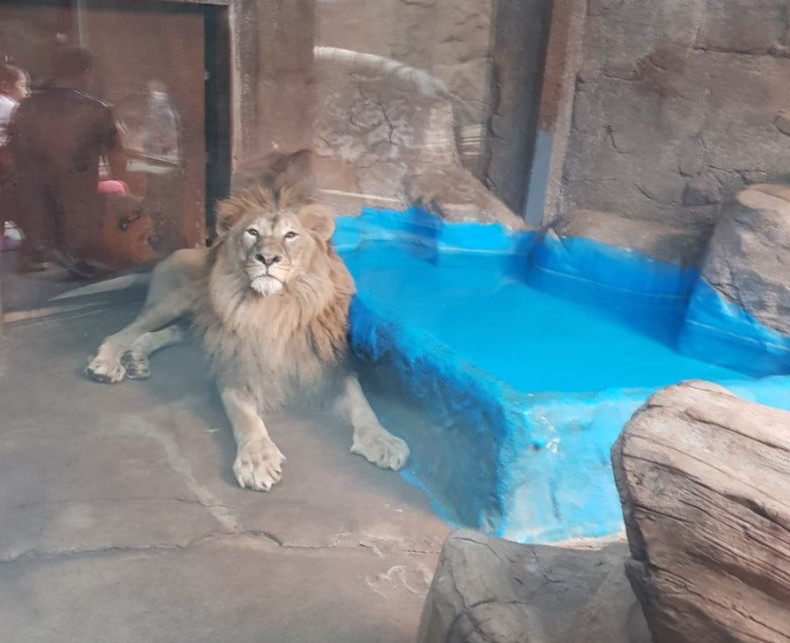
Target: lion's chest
[264,356]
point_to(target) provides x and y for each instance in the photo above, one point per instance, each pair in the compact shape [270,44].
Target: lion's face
[271,248]
[273,245]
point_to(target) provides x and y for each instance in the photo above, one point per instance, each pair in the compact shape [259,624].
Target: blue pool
[527,356]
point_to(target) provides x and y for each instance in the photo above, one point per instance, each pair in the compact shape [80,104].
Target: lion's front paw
[136,366]
[105,370]
[381,448]
[258,465]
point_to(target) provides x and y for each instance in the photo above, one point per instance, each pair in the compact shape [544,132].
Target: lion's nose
[267,260]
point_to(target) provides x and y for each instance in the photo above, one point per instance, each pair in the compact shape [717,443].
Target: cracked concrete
[120,519]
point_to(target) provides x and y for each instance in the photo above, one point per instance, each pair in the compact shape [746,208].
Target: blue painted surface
[614,268]
[721,332]
[527,389]
[533,340]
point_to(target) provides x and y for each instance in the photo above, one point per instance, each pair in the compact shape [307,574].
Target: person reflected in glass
[160,126]
[57,139]
[13,89]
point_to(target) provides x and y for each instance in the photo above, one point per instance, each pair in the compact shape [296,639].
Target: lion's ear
[228,213]
[318,218]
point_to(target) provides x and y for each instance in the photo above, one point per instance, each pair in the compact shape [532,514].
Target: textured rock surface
[384,140]
[748,259]
[488,590]
[683,246]
[392,138]
[703,478]
[450,39]
[677,103]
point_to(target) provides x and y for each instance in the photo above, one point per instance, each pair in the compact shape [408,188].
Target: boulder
[748,259]
[385,134]
[451,40]
[488,590]
[739,313]
[684,246]
[702,190]
[704,480]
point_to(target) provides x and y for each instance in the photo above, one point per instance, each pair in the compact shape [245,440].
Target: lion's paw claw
[106,371]
[382,449]
[258,465]
[136,366]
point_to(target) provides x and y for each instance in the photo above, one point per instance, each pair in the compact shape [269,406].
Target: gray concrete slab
[238,589]
[120,519]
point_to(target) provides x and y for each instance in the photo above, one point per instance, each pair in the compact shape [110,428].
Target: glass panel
[70,208]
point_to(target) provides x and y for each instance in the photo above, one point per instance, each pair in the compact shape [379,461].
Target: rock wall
[488,54]
[449,39]
[388,139]
[677,104]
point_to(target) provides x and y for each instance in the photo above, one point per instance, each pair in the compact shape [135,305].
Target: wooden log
[704,480]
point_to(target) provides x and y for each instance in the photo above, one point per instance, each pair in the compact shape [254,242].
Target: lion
[270,301]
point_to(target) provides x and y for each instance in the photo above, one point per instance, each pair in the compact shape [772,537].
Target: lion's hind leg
[135,360]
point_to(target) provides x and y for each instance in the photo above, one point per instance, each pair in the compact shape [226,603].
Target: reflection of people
[160,125]
[13,88]
[58,137]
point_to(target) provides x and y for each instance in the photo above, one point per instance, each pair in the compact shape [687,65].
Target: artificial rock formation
[487,53]
[739,312]
[488,590]
[677,104]
[681,245]
[384,134]
[748,259]
[704,479]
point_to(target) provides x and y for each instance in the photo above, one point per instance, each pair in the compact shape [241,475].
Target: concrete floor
[120,519]
[31,291]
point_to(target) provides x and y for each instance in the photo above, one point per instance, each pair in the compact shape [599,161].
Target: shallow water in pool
[534,340]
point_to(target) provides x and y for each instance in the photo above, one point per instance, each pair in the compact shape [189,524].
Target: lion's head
[278,295]
[274,241]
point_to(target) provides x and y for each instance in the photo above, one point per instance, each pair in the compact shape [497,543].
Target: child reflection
[13,88]
[57,138]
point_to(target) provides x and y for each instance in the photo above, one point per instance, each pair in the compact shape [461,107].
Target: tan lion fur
[270,301]
[270,345]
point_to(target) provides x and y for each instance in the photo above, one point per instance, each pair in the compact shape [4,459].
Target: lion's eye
[291,235]
[252,232]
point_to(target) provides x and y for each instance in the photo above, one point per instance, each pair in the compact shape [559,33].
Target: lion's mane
[267,345]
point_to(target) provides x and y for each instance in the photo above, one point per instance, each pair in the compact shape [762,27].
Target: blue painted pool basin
[528,357]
